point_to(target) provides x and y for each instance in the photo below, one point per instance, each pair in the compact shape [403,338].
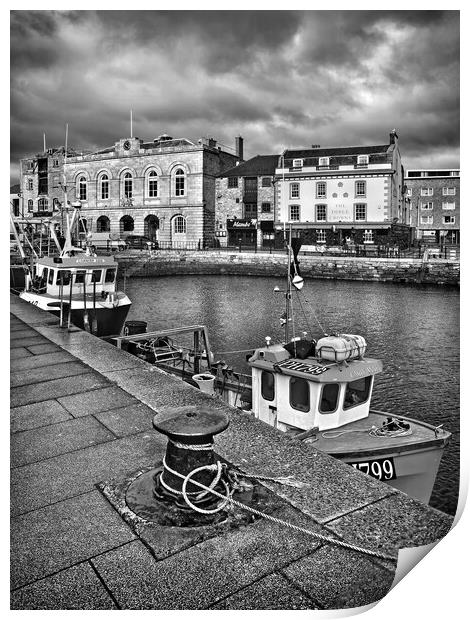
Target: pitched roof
[256,166]
[332,151]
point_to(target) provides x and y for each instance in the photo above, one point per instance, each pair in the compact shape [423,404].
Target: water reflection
[414,331]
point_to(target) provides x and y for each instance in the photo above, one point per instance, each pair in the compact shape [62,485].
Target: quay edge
[395,270]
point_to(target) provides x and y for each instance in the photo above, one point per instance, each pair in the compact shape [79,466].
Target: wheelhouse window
[299,394]
[357,392]
[179,182]
[179,224]
[51,276]
[104,182]
[294,190]
[63,277]
[96,275]
[360,212]
[82,188]
[128,185]
[320,213]
[360,188]
[152,184]
[80,276]
[267,385]
[329,398]
[294,213]
[321,190]
[110,275]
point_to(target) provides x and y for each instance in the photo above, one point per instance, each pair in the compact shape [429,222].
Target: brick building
[164,189]
[245,206]
[339,195]
[434,201]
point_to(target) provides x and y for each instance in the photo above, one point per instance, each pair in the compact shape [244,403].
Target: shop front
[242,232]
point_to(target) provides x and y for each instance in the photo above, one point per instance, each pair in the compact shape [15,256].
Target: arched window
[103,224]
[179,224]
[128,185]
[104,187]
[151,225]
[82,225]
[82,188]
[152,184]
[179,182]
[43,204]
[30,205]
[126,224]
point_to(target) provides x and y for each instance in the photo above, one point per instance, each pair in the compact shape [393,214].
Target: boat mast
[68,238]
[289,286]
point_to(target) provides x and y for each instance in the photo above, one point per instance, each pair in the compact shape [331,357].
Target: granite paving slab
[55,537]
[42,443]
[48,347]
[77,587]
[396,522]
[271,592]
[36,415]
[47,373]
[35,361]
[20,353]
[67,475]
[29,341]
[55,388]
[204,574]
[25,332]
[104,399]
[338,579]
[127,420]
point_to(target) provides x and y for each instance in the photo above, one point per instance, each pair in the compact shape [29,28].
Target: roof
[256,166]
[167,143]
[14,189]
[342,155]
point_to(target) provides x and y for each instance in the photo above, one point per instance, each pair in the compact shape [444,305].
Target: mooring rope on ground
[228,499]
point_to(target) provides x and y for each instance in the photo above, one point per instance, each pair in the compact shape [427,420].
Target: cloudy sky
[279,79]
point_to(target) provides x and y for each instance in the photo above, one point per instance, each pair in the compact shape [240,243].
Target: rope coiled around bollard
[228,499]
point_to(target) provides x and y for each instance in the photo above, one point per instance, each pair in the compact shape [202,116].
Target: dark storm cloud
[279,78]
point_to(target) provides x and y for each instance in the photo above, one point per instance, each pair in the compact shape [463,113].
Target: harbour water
[415,331]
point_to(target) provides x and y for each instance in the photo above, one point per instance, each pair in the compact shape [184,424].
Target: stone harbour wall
[408,271]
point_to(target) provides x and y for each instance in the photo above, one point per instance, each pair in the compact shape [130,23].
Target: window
[360,188]
[30,205]
[103,224]
[179,224]
[427,191]
[448,191]
[96,275]
[128,185]
[266,182]
[30,184]
[110,275]
[179,182]
[104,187]
[265,207]
[321,236]
[320,213]
[80,276]
[448,206]
[43,205]
[357,392]
[55,163]
[427,219]
[267,385]
[299,394]
[409,191]
[51,276]
[82,188]
[368,236]
[362,160]
[297,163]
[329,398]
[63,277]
[426,206]
[126,224]
[360,212]
[294,190]
[323,161]
[232,182]
[321,190]
[152,184]
[294,213]
[448,219]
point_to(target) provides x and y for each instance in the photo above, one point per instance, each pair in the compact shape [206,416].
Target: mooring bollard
[190,446]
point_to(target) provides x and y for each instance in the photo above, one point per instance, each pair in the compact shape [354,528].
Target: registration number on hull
[382,469]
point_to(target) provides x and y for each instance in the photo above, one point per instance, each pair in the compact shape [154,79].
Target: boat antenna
[68,239]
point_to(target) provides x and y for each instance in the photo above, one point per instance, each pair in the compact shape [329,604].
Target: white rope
[229,500]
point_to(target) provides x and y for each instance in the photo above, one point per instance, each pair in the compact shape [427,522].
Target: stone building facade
[335,196]
[434,201]
[245,203]
[162,189]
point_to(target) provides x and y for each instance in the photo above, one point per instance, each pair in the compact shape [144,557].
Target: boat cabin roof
[82,261]
[277,359]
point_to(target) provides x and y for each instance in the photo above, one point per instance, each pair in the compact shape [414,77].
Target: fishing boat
[76,285]
[317,391]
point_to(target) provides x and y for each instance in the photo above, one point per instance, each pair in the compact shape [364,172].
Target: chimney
[393,136]
[211,142]
[239,147]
